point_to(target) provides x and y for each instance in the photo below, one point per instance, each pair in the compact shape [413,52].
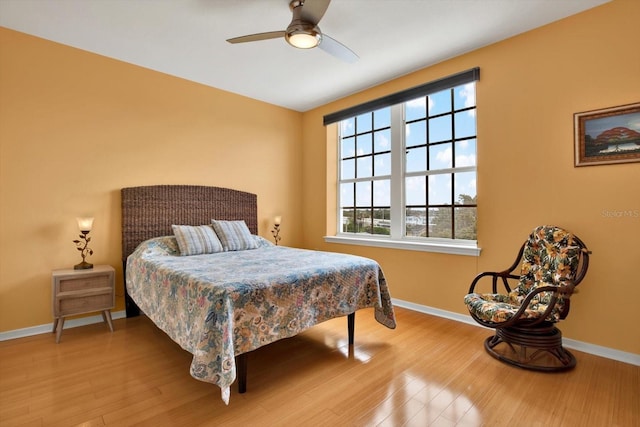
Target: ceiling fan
[303,31]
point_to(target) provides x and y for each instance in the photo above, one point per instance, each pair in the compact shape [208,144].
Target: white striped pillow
[196,239]
[234,235]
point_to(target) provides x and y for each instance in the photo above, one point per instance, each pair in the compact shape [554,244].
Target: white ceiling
[186,38]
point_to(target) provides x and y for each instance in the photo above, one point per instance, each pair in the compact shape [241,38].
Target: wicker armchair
[553,262]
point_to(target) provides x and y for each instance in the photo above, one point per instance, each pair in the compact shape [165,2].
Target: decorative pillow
[234,235]
[196,239]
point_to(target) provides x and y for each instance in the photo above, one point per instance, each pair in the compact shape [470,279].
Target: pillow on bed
[196,239]
[234,235]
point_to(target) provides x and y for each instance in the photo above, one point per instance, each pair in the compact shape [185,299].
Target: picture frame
[607,136]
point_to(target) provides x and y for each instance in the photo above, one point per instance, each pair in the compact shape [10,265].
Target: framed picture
[607,136]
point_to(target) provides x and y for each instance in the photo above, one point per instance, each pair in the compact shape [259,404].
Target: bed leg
[241,372]
[351,324]
[130,306]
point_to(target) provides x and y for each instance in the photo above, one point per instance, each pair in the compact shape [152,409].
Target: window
[407,171]
[365,173]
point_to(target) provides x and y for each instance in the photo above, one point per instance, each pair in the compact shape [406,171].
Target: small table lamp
[84,224]
[276,229]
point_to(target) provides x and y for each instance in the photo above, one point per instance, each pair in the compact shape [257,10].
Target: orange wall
[76,127]
[530,87]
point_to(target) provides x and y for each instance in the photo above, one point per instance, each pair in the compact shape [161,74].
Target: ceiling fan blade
[337,49]
[257,37]
[312,11]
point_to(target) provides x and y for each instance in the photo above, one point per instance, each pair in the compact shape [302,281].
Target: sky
[595,127]
[440,155]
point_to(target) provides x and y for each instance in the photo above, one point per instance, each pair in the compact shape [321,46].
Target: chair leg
[537,348]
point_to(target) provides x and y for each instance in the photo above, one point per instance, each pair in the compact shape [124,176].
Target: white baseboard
[609,353]
[48,328]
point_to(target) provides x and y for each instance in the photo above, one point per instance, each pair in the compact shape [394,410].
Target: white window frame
[397,196]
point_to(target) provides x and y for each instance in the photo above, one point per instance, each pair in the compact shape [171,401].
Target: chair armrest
[495,275]
[566,289]
[504,275]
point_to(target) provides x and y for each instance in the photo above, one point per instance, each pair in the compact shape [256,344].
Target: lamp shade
[277,220]
[85,223]
[304,40]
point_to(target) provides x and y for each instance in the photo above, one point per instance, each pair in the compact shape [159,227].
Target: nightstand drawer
[86,304]
[82,283]
[82,291]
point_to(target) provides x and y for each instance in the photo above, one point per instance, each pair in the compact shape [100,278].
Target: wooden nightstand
[82,291]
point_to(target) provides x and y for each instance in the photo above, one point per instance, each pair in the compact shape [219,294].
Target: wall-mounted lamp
[84,224]
[276,229]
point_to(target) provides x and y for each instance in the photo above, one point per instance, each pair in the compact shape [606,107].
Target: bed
[220,306]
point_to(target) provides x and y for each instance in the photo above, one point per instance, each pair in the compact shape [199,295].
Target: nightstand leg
[55,324]
[106,315]
[59,333]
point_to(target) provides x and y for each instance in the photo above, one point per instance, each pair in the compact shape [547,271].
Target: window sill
[468,249]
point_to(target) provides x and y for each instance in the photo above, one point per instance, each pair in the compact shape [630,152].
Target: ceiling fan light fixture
[303,39]
[303,31]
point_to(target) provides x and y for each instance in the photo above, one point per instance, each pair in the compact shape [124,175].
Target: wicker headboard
[149,211]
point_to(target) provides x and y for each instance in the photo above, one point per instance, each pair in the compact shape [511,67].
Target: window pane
[348,220]
[465,153]
[382,193]
[416,159]
[382,118]
[416,222]
[381,221]
[363,194]
[382,140]
[348,127]
[465,223]
[382,213]
[364,123]
[440,129]
[363,144]
[348,169]
[348,148]
[415,109]
[440,156]
[465,190]
[416,133]
[465,124]
[440,189]
[440,102]
[365,168]
[346,195]
[440,223]
[363,221]
[416,191]
[464,96]
[382,165]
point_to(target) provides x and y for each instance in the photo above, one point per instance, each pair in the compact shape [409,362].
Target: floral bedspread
[221,305]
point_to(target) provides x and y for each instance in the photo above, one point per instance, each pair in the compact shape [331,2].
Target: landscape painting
[607,136]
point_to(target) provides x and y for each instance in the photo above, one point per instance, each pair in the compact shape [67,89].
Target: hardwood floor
[428,371]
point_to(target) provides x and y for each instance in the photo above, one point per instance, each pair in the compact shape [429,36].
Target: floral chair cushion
[550,258]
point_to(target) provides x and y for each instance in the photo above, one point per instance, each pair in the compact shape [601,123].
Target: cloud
[382,141]
[420,102]
[468,93]
[465,160]
[445,156]
[347,127]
